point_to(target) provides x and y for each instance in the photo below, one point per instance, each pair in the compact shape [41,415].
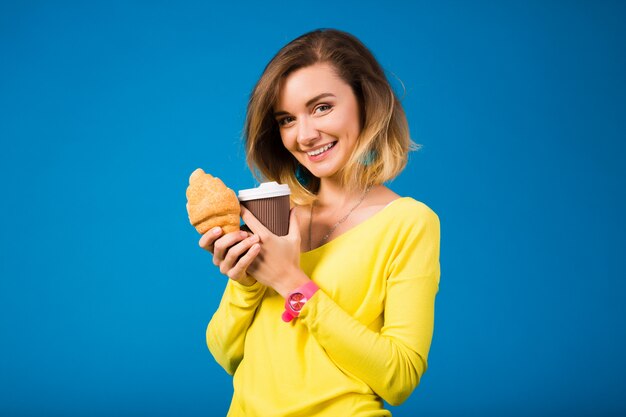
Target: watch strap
[304,292]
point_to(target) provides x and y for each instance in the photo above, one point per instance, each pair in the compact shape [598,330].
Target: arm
[226,332]
[393,360]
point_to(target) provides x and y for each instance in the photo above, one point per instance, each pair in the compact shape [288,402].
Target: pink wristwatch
[297,299]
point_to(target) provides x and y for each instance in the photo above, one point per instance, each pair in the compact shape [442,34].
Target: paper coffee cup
[269,203]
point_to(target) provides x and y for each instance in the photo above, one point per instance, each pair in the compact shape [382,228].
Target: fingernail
[243,234]
[216,231]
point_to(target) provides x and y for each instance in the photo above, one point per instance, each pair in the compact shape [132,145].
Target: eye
[285,121]
[322,108]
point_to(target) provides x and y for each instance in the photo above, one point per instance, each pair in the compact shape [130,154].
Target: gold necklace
[343,219]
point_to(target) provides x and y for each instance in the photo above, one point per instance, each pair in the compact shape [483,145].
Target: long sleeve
[226,332]
[363,338]
[392,360]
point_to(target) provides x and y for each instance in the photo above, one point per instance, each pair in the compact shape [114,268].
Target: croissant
[210,203]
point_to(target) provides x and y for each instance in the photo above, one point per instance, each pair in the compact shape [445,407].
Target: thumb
[253,223]
[294,224]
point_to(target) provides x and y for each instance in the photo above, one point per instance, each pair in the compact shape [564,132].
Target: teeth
[320,150]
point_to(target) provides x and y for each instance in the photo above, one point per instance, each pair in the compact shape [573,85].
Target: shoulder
[411,222]
[385,199]
[411,209]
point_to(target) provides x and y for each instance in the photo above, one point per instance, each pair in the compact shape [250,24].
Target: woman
[355,279]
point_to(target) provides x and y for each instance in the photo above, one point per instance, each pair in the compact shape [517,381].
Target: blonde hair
[382,148]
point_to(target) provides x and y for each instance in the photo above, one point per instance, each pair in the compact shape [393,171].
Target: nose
[307,132]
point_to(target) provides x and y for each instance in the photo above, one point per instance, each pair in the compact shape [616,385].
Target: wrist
[296,300]
[296,279]
[246,281]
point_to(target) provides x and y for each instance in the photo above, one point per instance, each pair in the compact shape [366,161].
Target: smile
[321,150]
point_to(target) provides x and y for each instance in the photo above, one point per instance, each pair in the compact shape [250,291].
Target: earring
[302,175]
[369,157]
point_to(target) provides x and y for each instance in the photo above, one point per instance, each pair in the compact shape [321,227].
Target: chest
[319,227]
[353,272]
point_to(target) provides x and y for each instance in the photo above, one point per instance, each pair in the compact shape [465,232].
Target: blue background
[106,108]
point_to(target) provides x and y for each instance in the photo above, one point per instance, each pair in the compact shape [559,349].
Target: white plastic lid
[265,190]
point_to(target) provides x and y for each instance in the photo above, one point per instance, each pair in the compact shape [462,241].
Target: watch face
[296,301]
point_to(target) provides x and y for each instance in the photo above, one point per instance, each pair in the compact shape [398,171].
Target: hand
[232,253]
[278,263]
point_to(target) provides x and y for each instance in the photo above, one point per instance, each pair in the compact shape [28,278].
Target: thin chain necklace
[343,219]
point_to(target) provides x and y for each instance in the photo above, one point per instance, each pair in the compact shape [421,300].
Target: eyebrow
[308,103]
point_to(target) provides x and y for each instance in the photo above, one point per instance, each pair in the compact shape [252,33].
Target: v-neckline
[354,228]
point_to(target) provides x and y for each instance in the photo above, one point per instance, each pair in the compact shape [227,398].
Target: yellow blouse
[364,336]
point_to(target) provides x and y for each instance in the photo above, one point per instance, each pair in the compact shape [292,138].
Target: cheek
[289,142]
[343,124]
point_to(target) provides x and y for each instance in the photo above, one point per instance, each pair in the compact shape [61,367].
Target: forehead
[305,83]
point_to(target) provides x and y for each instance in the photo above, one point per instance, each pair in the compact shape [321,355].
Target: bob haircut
[381,151]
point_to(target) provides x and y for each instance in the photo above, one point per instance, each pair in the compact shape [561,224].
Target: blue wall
[105,109]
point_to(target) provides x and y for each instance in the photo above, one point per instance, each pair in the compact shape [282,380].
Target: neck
[335,198]
[332,194]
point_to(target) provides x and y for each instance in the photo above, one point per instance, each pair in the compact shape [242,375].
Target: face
[318,118]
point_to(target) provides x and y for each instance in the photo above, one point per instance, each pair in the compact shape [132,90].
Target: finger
[235,252]
[253,223]
[224,243]
[207,239]
[245,261]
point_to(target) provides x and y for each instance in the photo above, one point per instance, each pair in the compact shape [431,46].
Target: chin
[325,173]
